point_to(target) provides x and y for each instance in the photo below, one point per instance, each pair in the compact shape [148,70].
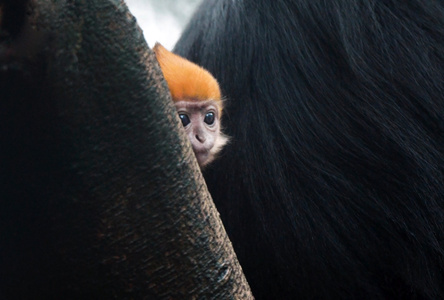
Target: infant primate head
[197,98]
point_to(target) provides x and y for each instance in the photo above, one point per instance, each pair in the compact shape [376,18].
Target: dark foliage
[333,184]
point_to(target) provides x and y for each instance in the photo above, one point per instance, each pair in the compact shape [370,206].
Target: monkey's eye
[185,119]
[209,118]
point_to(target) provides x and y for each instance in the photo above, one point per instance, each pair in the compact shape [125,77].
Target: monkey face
[201,120]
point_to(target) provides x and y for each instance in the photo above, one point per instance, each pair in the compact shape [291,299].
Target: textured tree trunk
[101,196]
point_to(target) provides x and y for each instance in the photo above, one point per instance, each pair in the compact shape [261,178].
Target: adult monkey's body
[333,185]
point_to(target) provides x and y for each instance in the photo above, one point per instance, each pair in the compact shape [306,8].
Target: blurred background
[162,20]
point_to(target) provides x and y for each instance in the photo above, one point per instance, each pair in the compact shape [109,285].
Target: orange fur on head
[186,80]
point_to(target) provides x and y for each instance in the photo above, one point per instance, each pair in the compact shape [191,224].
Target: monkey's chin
[203,158]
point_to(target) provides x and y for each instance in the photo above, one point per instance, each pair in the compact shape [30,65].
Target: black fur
[12,16]
[333,184]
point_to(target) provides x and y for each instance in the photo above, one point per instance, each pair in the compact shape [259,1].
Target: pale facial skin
[201,120]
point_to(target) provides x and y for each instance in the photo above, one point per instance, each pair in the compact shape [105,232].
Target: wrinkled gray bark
[101,193]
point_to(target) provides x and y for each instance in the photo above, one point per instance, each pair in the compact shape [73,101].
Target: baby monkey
[197,98]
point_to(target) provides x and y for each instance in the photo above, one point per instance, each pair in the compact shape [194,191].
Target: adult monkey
[333,185]
[101,196]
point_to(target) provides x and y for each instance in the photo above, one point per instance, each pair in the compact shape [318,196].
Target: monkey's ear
[185,79]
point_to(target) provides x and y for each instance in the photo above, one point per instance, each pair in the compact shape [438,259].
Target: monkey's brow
[197,105]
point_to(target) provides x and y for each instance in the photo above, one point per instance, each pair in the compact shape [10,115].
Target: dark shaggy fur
[333,184]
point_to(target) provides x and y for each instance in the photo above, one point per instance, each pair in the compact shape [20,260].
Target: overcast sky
[162,20]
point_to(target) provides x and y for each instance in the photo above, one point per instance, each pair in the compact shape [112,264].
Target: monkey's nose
[200,138]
